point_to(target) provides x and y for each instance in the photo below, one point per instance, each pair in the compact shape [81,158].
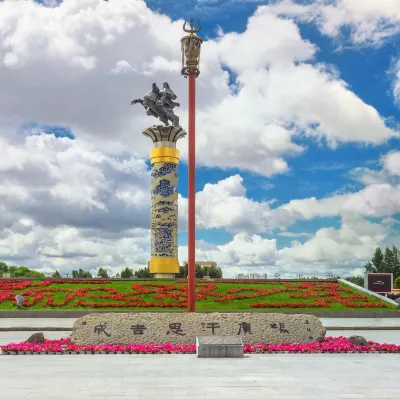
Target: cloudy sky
[297,123]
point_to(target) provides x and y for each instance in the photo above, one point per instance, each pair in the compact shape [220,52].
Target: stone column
[164,159]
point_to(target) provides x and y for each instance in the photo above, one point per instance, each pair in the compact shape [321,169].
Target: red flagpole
[192,195]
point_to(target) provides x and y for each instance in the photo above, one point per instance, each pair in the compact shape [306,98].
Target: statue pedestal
[164,200]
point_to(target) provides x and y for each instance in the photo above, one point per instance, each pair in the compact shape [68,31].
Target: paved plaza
[275,376]
[281,376]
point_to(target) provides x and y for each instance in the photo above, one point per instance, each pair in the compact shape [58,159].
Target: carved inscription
[121,328]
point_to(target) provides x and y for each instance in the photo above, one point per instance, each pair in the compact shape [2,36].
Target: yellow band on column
[164,154]
[164,265]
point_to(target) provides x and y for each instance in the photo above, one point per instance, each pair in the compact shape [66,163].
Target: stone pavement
[284,376]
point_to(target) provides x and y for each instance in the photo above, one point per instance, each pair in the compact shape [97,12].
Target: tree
[3,267]
[56,274]
[213,271]
[142,273]
[81,274]
[392,261]
[199,271]
[376,264]
[19,271]
[127,273]
[388,262]
[102,273]
[183,271]
[359,280]
[397,282]
[23,271]
[12,269]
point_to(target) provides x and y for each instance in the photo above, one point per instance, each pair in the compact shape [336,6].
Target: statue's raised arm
[160,104]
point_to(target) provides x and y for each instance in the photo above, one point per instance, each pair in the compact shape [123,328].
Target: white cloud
[244,52]
[58,181]
[343,251]
[370,21]
[225,205]
[244,251]
[122,67]
[89,58]
[368,176]
[354,241]
[396,85]
[389,172]
[67,248]
[290,234]
[391,163]
[276,98]
[375,200]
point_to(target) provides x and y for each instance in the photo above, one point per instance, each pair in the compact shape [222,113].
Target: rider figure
[167,96]
[166,102]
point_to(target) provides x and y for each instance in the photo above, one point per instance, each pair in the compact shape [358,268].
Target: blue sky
[321,171]
[298,168]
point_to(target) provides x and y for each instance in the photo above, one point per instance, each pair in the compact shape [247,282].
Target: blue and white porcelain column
[164,159]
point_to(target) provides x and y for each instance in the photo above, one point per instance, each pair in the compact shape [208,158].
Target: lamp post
[191,46]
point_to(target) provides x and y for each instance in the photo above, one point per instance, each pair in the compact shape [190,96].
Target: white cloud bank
[80,64]
[65,205]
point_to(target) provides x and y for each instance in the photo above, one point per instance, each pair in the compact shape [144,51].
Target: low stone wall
[183,328]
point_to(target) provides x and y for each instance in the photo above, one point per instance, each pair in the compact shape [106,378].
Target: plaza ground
[275,376]
[284,376]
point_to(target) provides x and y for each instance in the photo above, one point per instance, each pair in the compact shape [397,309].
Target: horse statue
[160,104]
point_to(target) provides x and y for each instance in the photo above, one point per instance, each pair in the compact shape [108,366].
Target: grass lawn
[152,295]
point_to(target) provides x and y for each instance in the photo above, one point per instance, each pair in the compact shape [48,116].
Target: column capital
[170,134]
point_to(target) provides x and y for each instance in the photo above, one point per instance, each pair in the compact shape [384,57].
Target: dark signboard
[380,282]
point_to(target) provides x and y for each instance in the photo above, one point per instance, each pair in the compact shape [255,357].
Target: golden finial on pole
[192,30]
[191,45]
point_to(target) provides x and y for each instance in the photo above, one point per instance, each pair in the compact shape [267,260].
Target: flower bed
[64,346]
[95,294]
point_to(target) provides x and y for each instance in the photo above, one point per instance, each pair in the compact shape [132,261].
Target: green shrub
[397,282]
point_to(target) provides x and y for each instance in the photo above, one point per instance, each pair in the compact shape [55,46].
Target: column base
[165,276]
[164,266]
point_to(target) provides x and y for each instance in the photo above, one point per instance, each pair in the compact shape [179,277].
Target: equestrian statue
[160,104]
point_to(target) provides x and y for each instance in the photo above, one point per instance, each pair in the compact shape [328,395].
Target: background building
[252,276]
[206,263]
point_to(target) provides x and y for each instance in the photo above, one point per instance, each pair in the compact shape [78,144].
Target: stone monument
[164,158]
[183,328]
